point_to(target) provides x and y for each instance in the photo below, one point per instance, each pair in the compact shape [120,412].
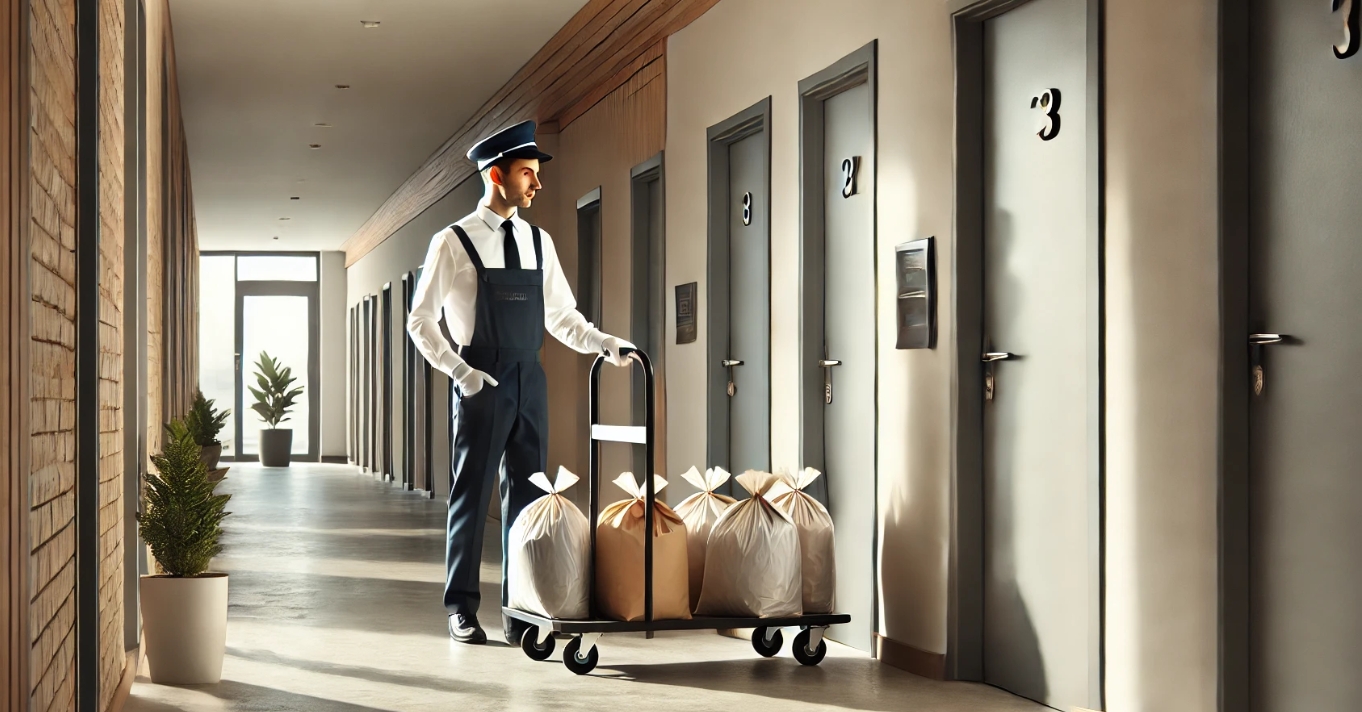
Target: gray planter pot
[210,454]
[275,446]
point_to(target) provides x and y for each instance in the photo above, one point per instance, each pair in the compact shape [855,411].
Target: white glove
[611,347]
[470,379]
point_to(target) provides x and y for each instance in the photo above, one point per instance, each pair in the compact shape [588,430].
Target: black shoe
[465,629]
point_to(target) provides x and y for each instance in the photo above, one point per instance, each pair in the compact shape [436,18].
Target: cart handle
[593,478]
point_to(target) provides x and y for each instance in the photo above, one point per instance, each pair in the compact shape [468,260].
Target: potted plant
[184,609]
[273,400]
[204,423]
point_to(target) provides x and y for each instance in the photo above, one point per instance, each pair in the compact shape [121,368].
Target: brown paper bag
[619,557]
[700,511]
[752,558]
[817,547]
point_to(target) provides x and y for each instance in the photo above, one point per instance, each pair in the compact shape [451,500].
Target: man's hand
[471,380]
[611,347]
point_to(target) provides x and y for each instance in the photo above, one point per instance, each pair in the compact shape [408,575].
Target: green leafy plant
[181,518]
[205,422]
[273,399]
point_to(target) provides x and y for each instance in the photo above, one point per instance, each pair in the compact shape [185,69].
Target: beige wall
[1162,354]
[1162,368]
[598,150]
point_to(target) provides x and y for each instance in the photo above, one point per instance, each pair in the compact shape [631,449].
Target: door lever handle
[824,363]
[730,363]
[1265,339]
[992,356]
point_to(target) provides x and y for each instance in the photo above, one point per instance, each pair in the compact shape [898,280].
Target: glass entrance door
[280,319]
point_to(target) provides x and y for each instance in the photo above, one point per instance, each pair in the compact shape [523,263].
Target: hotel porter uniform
[499,285]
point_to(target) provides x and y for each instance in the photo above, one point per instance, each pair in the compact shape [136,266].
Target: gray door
[849,343]
[648,297]
[749,332]
[1036,443]
[1306,492]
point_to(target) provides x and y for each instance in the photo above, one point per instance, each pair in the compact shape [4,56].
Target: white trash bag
[752,560]
[549,554]
[700,511]
[817,546]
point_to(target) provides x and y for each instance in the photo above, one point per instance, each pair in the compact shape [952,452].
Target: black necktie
[512,251]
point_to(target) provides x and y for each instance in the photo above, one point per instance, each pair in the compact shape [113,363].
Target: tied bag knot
[752,562]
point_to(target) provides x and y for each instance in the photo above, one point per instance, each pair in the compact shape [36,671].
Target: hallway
[334,606]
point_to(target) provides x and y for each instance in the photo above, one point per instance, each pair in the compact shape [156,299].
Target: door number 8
[746,208]
[1049,102]
[849,168]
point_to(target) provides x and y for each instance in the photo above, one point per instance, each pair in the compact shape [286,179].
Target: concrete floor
[336,584]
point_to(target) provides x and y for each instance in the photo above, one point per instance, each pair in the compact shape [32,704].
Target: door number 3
[1049,102]
[746,208]
[849,168]
[1352,32]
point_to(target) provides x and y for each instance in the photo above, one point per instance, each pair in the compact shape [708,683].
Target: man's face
[520,182]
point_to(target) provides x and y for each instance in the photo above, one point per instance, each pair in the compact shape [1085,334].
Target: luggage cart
[581,654]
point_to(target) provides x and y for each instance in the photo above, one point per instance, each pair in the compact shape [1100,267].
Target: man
[498,281]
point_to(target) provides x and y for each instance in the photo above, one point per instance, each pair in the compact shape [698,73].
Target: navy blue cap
[511,142]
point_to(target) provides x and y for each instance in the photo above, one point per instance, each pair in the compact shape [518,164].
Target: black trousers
[502,429]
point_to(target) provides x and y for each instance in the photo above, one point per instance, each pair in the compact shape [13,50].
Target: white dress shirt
[449,282]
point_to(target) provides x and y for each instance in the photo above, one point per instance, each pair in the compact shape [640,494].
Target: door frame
[648,309]
[385,354]
[263,288]
[748,122]
[965,597]
[859,67]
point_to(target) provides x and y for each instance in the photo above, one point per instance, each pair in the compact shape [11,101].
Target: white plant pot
[185,623]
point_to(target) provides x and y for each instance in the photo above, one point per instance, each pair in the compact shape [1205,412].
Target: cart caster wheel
[802,652]
[575,661]
[529,642]
[767,641]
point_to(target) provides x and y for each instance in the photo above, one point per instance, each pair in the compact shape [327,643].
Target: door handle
[989,358]
[1258,341]
[729,363]
[826,365]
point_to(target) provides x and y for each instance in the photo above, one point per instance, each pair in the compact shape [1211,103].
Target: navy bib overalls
[501,428]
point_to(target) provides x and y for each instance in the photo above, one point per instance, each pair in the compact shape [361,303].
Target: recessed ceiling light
[322,125]
[276,237]
[369,23]
[283,219]
[296,198]
[314,146]
[342,86]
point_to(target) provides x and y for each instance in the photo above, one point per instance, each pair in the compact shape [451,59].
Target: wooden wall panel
[180,252]
[14,361]
[601,47]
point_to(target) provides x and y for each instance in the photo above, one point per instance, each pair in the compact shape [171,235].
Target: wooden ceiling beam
[597,51]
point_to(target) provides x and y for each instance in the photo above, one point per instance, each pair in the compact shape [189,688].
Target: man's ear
[495,175]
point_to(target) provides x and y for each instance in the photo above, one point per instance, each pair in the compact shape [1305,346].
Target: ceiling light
[276,237]
[321,125]
[314,146]
[369,23]
[283,219]
[295,198]
[342,86]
